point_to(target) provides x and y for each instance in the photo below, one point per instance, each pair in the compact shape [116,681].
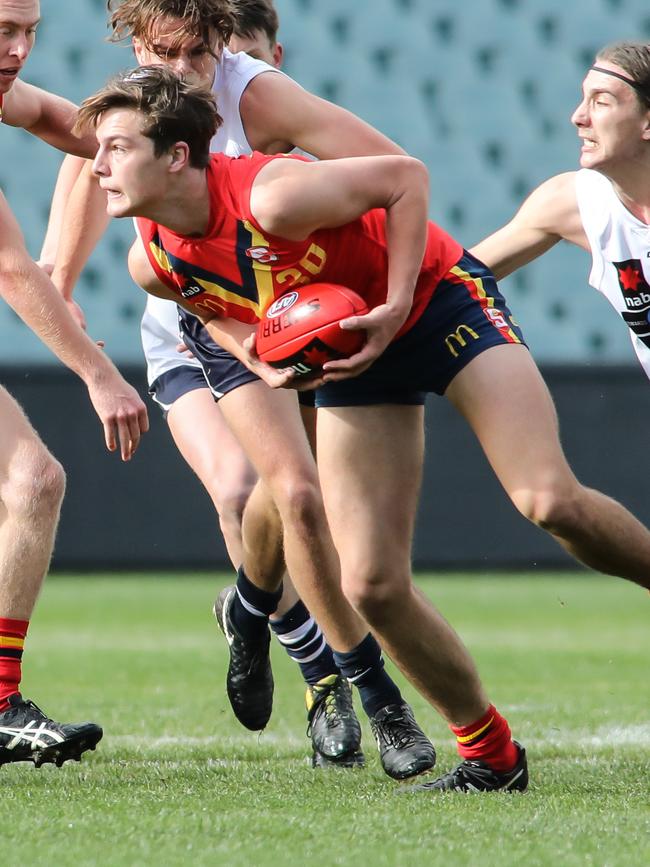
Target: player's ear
[278,54]
[646,128]
[179,156]
[138,49]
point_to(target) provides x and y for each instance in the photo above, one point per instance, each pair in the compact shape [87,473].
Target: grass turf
[176,781]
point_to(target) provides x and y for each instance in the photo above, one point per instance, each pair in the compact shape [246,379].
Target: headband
[640,89]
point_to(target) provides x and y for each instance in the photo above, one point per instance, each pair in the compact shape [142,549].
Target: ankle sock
[251,607]
[364,667]
[12,640]
[301,637]
[489,740]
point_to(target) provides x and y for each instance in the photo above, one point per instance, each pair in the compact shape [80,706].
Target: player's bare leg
[503,396]
[267,424]
[370,460]
[216,458]
[32,484]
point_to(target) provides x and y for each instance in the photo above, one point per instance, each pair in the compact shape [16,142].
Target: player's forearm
[34,298]
[84,222]
[67,177]
[406,235]
[230,335]
[506,251]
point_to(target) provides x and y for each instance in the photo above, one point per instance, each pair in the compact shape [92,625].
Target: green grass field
[176,781]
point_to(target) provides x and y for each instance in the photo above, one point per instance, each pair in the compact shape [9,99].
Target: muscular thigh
[370,466]
[268,426]
[208,445]
[504,398]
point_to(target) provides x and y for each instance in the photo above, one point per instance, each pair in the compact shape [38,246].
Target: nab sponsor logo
[458,339]
[190,290]
[281,305]
[261,254]
[634,287]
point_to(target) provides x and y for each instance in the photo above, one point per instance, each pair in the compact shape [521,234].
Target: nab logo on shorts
[190,290]
[261,254]
[281,305]
[458,339]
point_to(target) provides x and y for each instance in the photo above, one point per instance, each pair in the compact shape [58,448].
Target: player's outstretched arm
[84,222]
[548,215]
[66,179]
[292,199]
[306,121]
[32,295]
[47,116]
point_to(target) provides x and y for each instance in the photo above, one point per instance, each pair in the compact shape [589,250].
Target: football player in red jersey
[362,222]
[31,480]
[266,111]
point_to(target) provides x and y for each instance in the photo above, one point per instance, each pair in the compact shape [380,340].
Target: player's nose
[99,164]
[580,115]
[20,48]
[182,66]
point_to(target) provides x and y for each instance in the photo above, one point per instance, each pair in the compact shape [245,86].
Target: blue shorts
[174,383]
[465,316]
[220,371]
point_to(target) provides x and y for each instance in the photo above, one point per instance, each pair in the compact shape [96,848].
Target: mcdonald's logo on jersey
[457,339]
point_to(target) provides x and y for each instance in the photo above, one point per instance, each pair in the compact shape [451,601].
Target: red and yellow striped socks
[488,740]
[12,639]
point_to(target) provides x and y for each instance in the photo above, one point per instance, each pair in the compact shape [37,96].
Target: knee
[300,503]
[555,507]
[230,504]
[375,592]
[35,485]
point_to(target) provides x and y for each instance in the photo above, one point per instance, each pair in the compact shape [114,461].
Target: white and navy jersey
[159,328]
[620,250]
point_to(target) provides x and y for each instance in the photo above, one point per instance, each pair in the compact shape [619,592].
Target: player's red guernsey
[236,269]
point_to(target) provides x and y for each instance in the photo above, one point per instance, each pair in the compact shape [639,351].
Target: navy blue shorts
[174,383]
[466,315]
[220,371]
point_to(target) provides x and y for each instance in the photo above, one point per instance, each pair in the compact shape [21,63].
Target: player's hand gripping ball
[300,330]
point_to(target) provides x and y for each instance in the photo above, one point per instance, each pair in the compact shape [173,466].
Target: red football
[301,328]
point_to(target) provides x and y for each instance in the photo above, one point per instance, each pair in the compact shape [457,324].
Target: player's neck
[185,209]
[633,189]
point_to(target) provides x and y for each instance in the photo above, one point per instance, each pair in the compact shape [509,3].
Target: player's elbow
[415,171]
[15,267]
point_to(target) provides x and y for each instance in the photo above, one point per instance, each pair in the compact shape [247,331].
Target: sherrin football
[301,329]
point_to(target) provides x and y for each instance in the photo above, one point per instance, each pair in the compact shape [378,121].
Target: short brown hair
[173,110]
[634,58]
[253,15]
[207,19]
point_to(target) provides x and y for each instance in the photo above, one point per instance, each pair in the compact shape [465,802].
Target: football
[301,329]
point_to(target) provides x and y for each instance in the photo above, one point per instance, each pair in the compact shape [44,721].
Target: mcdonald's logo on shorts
[458,339]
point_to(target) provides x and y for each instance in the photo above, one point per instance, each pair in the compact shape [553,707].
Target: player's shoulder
[553,204]
[562,185]
[233,69]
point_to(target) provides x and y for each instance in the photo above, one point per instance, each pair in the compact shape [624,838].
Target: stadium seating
[481,90]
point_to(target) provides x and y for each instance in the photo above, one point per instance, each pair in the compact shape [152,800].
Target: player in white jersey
[266,111]
[32,482]
[605,206]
